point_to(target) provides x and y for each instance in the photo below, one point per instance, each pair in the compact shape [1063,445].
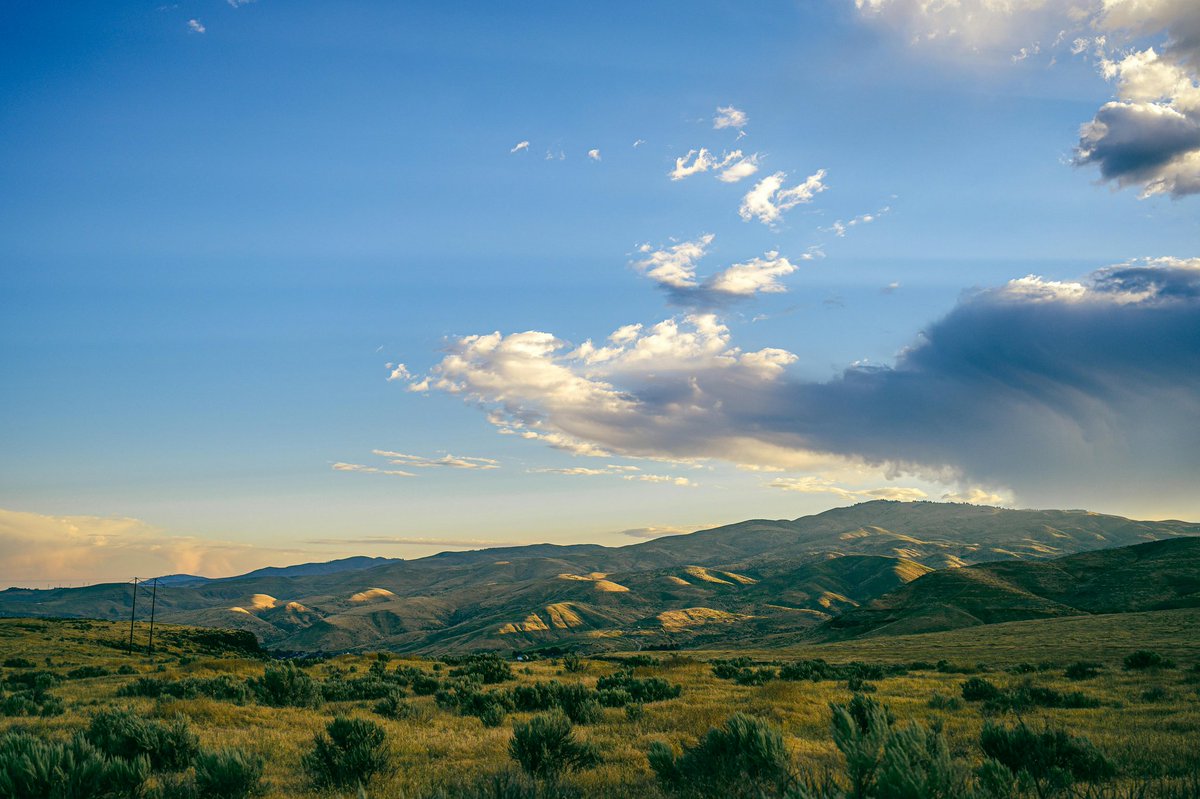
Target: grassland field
[1148,722]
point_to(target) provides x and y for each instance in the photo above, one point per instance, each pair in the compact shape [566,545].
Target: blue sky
[221,223]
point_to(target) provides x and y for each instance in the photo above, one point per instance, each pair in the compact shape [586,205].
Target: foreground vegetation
[946,715]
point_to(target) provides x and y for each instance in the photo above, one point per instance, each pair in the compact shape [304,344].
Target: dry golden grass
[441,748]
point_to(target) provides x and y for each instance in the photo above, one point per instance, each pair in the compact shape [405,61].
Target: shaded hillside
[741,582]
[1153,576]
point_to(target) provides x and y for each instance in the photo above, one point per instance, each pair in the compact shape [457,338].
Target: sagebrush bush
[744,758]
[1082,670]
[31,768]
[350,752]
[1145,659]
[285,686]
[977,689]
[120,733]
[546,747]
[229,774]
[651,689]
[1051,759]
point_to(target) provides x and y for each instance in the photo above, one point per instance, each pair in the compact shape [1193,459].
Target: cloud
[729,117]
[358,467]
[674,269]
[977,496]
[624,472]
[1054,389]
[656,532]
[731,166]
[891,288]
[387,540]
[743,167]
[768,199]
[449,461]
[594,155]
[42,551]
[820,485]
[1148,136]
[239,3]
[194,26]
[840,228]
[520,147]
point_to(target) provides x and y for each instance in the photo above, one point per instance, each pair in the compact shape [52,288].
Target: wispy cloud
[767,201]
[820,485]
[656,532]
[624,472]
[520,147]
[358,467]
[594,154]
[448,461]
[729,117]
[730,167]
[408,541]
[840,228]
[195,26]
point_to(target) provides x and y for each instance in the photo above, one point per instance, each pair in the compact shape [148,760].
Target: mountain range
[874,568]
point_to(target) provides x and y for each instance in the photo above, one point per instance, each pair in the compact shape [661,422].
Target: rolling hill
[1159,575]
[745,582]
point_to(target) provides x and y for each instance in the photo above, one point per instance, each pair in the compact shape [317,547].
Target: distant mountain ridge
[757,579]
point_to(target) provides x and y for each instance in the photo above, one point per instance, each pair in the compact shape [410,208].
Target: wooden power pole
[132,614]
[153,602]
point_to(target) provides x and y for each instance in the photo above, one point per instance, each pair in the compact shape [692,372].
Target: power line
[153,602]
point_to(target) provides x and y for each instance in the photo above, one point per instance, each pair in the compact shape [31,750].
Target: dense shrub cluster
[880,760]
[742,670]
[1082,670]
[120,733]
[33,768]
[31,696]
[649,689]
[87,672]
[488,668]
[223,687]
[1023,696]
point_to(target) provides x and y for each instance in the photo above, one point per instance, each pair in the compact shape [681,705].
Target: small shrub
[1145,659]
[492,715]
[940,701]
[229,774]
[546,747]
[917,764]
[126,669]
[744,758]
[1082,670]
[573,664]
[350,752]
[285,686]
[977,689]
[634,713]
[1155,694]
[87,672]
[19,663]
[859,685]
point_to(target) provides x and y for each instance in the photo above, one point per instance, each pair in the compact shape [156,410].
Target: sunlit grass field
[1148,722]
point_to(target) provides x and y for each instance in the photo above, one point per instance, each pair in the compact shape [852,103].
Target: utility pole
[153,601]
[132,614]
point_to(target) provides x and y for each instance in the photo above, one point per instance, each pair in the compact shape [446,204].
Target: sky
[284,282]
